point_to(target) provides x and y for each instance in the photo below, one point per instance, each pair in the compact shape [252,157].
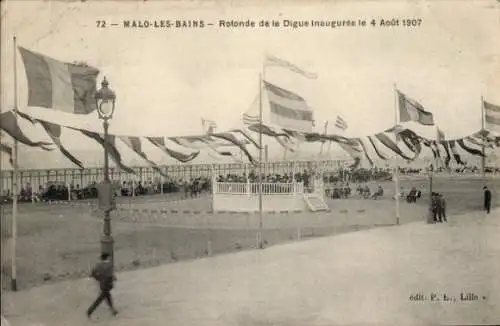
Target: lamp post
[105,101]
[430,215]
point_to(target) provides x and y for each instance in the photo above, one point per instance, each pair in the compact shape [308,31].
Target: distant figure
[434,206]
[441,208]
[104,274]
[487,199]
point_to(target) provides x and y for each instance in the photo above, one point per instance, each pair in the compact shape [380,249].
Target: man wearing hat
[487,199]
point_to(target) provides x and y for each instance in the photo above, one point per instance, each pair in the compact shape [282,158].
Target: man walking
[487,199]
[104,274]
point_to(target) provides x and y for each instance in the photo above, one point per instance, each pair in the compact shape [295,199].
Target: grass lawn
[61,242]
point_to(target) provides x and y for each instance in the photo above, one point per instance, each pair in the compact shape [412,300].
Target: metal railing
[36,178]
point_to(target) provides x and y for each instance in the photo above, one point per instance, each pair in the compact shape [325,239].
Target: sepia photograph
[250,163]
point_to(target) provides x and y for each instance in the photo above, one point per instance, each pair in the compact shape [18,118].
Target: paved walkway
[360,277]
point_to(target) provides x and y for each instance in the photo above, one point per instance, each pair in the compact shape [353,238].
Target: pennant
[54,131]
[376,148]
[456,156]
[411,110]
[246,136]
[268,131]
[112,150]
[412,141]
[428,143]
[199,143]
[448,157]
[57,85]
[183,158]
[277,62]
[387,142]
[468,149]
[364,150]
[7,150]
[232,139]
[9,123]
[134,143]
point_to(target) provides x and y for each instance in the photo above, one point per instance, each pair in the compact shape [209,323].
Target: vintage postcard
[250,162]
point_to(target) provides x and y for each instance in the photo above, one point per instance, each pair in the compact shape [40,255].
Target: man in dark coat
[441,208]
[435,207]
[487,199]
[104,274]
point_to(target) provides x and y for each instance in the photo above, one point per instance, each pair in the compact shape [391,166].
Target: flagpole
[259,235]
[396,169]
[322,144]
[483,158]
[15,183]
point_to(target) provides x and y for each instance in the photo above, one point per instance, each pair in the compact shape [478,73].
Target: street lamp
[430,214]
[105,101]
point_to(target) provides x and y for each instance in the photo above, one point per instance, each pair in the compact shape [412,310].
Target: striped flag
[289,110]
[277,62]
[340,123]
[491,116]
[58,85]
[250,119]
[411,110]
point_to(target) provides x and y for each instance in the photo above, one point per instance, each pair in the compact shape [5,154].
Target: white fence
[244,197]
[253,188]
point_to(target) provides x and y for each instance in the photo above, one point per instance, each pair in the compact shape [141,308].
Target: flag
[250,119]
[411,110]
[340,123]
[289,110]
[134,143]
[181,157]
[10,124]
[276,62]
[57,85]
[491,116]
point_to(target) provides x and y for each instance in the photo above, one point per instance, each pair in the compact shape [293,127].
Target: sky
[167,80]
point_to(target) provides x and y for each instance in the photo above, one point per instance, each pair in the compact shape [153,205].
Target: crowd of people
[57,191]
